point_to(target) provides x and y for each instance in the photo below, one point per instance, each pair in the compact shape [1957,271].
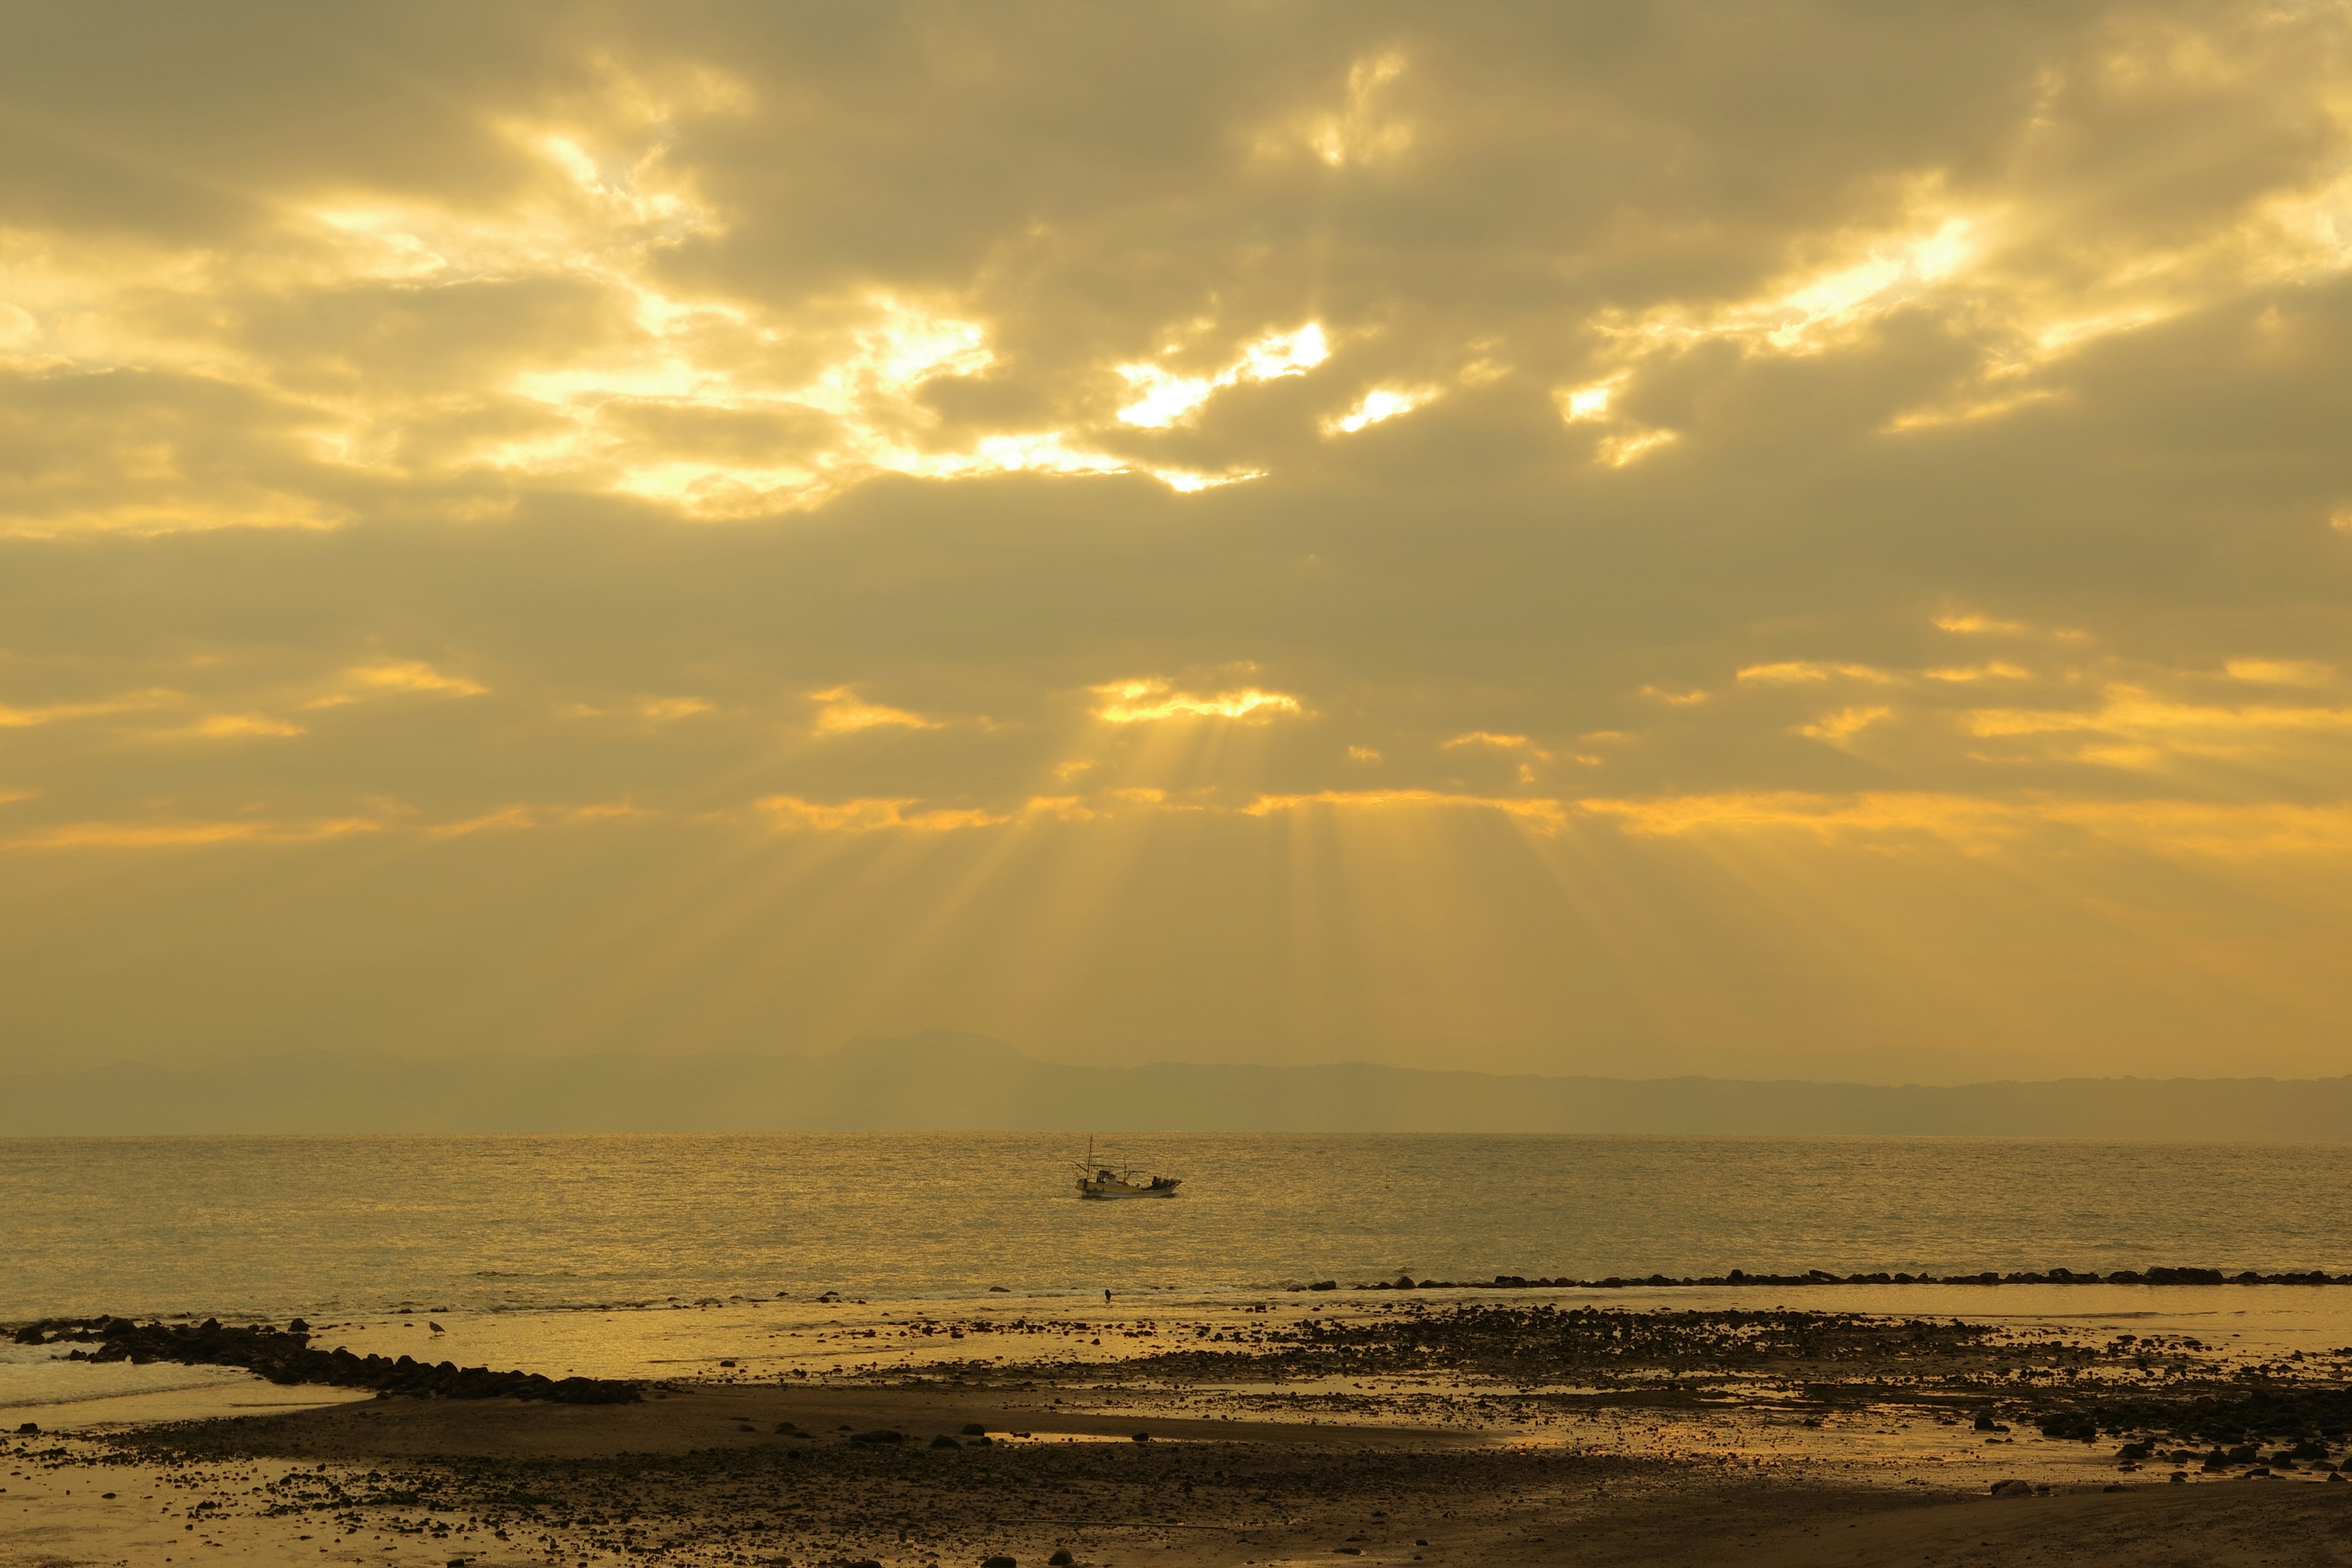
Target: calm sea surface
[277,1225]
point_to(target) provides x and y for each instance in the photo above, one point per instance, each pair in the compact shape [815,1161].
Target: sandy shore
[1277,1433]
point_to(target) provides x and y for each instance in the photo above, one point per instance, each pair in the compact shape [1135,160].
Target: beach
[1496,1427]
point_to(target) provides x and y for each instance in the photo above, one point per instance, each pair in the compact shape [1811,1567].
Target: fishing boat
[1101,1180]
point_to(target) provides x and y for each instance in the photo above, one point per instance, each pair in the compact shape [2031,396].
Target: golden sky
[1616,537]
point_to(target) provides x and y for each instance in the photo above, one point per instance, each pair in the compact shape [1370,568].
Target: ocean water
[275,1227]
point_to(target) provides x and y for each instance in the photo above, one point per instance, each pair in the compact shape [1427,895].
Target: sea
[512,1242]
[276,1226]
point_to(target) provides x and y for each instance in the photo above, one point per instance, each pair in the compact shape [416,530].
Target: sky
[1629,538]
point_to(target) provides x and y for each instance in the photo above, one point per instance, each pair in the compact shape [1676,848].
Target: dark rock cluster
[1824,1276]
[1584,1345]
[286,1356]
[2236,1423]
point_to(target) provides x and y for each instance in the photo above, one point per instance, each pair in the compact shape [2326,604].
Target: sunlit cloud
[1360,131]
[841,711]
[1594,402]
[1623,451]
[175,834]
[1810,669]
[1380,403]
[1811,311]
[1146,701]
[1188,481]
[232,726]
[656,710]
[1164,397]
[1967,409]
[396,678]
[257,829]
[1844,724]
[2204,827]
[1972,624]
[2133,713]
[2281,671]
[25,717]
[1500,742]
[526,817]
[1540,815]
[792,814]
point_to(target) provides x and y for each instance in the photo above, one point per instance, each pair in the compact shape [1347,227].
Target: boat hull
[1099,1189]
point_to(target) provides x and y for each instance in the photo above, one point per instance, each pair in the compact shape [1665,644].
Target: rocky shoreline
[1739,1276]
[286,1356]
[1400,1429]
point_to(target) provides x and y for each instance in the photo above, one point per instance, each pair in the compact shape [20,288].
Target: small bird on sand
[435,1327]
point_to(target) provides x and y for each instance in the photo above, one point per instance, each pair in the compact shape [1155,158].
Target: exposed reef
[286,1356]
[1824,1276]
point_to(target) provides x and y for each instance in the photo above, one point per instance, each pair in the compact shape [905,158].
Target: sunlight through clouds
[1151,526]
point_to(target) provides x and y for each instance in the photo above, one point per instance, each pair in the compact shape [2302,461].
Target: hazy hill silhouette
[940,1081]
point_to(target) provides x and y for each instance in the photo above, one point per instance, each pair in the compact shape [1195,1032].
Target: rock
[944,1441]
[862,1563]
[1324,1285]
[1061,1557]
[1143,1437]
[2333,1475]
[974,1429]
[998,1291]
[880,1434]
[288,1358]
[2012,1488]
[29,1429]
[998,1562]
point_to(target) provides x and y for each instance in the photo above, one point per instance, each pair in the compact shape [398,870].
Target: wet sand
[1440,1433]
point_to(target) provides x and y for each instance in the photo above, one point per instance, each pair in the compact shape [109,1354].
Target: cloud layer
[1619,538]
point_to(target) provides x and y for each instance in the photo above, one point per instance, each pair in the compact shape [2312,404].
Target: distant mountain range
[948,1082]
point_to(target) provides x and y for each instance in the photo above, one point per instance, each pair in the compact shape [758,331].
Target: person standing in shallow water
[1105,1298]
